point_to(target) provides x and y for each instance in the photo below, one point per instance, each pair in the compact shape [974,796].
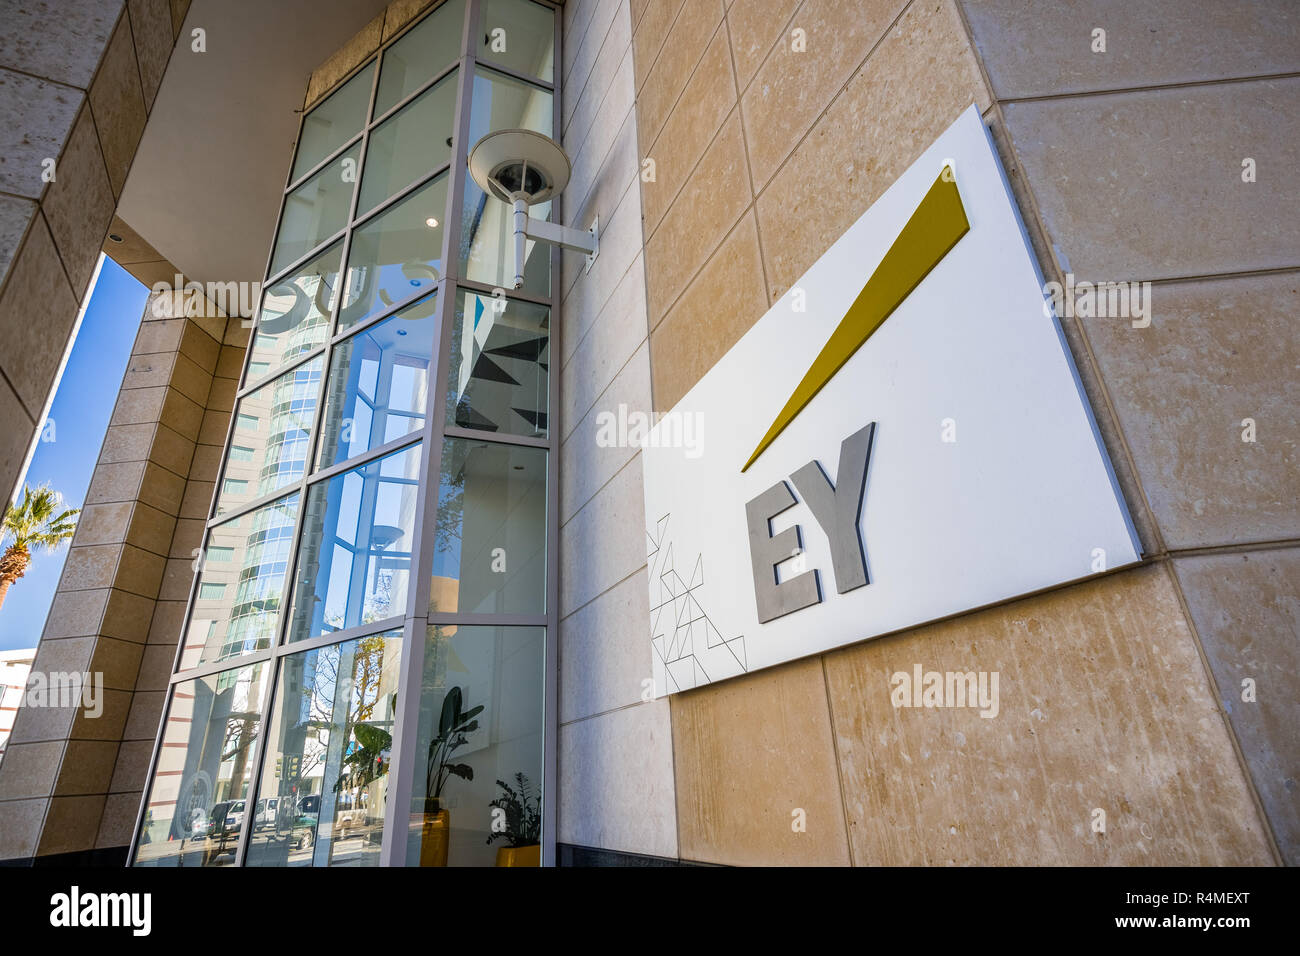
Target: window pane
[275,421]
[325,778]
[295,314]
[415,141]
[497,673]
[396,255]
[500,355]
[487,224]
[354,563]
[520,35]
[315,210]
[198,796]
[334,122]
[490,543]
[420,55]
[378,386]
[237,607]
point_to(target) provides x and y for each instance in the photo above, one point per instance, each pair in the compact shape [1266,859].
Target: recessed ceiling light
[115,237]
[431,223]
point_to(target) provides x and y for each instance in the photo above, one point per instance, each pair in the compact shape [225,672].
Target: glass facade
[366,673]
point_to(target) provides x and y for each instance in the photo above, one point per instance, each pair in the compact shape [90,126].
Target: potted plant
[521,826]
[453,726]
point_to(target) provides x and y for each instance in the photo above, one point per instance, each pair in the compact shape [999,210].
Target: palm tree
[34,523]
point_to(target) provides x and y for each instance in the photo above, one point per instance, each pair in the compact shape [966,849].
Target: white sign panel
[972,469]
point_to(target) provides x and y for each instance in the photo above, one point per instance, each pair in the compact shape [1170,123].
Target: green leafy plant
[365,764]
[34,523]
[523,809]
[453,726]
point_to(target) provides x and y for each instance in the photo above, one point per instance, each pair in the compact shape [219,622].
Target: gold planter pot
[520,855]
[435,831]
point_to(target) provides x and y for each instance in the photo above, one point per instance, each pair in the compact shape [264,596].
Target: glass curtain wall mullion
[340,636]
[268,377]
[389,311]
[311,254]
[514,74]
[216,667]
[425,178]
[551,667]
[255,778]
[495,438]
[448,618]
[415,94]
[352,141]
[521,295]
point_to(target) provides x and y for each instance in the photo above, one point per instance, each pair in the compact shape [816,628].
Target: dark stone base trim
[114,857]
[566,854]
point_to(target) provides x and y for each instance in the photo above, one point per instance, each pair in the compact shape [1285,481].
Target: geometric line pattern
[686,641]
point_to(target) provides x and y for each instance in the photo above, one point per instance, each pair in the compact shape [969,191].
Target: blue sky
[80,414]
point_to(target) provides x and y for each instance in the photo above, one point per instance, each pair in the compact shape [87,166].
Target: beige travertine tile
[87,768]
[696,333]
[23,819]
[168,619]
[187,538]
[214,427]
[36,724]
[16,437]
[177,580]
[44,112]
[158,335]
[637,8]
[1046,49]
[348,57]
[75,614]
[71,824]
[616,781]
[61,41]
[179,9]
[597,56]
[136,406]
[64,655]
[191,380]
[705,210]
[149,371]
[108,725]
[171,450]
[1146,194]
[117,661]
[200,347]
[620,245]
[114,481]
[754,26]
[103,524]
[221,397]
[604,656]
[399,13]
[139,571]
[151,529]
[694,121]
[145,716]
[649,34]
[587,458]
[605,541]
[127,443]
[182,415]
[1102,703]
[15,215]
[230,363]
[613,338]
[37,312]
[131,767]
[162,489]
[911,88]
[792,88]
[198,499]
[117,824]
[151,27]
[749,752]
[118,105]
[79,203]
[155,667]
[127,617]
[1246,608]
[1216,353]
[694,28]
[90,568]
[30,771]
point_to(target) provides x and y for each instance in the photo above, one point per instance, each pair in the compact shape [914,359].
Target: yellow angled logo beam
[939,221]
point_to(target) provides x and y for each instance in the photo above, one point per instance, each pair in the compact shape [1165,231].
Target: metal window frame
[417,620]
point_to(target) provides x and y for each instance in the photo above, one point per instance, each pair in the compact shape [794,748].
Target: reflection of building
[14,668]
[722,162]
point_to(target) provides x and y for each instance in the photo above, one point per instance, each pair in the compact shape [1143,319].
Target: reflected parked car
[264,814]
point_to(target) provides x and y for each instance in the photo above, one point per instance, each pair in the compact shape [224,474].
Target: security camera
[523,168]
